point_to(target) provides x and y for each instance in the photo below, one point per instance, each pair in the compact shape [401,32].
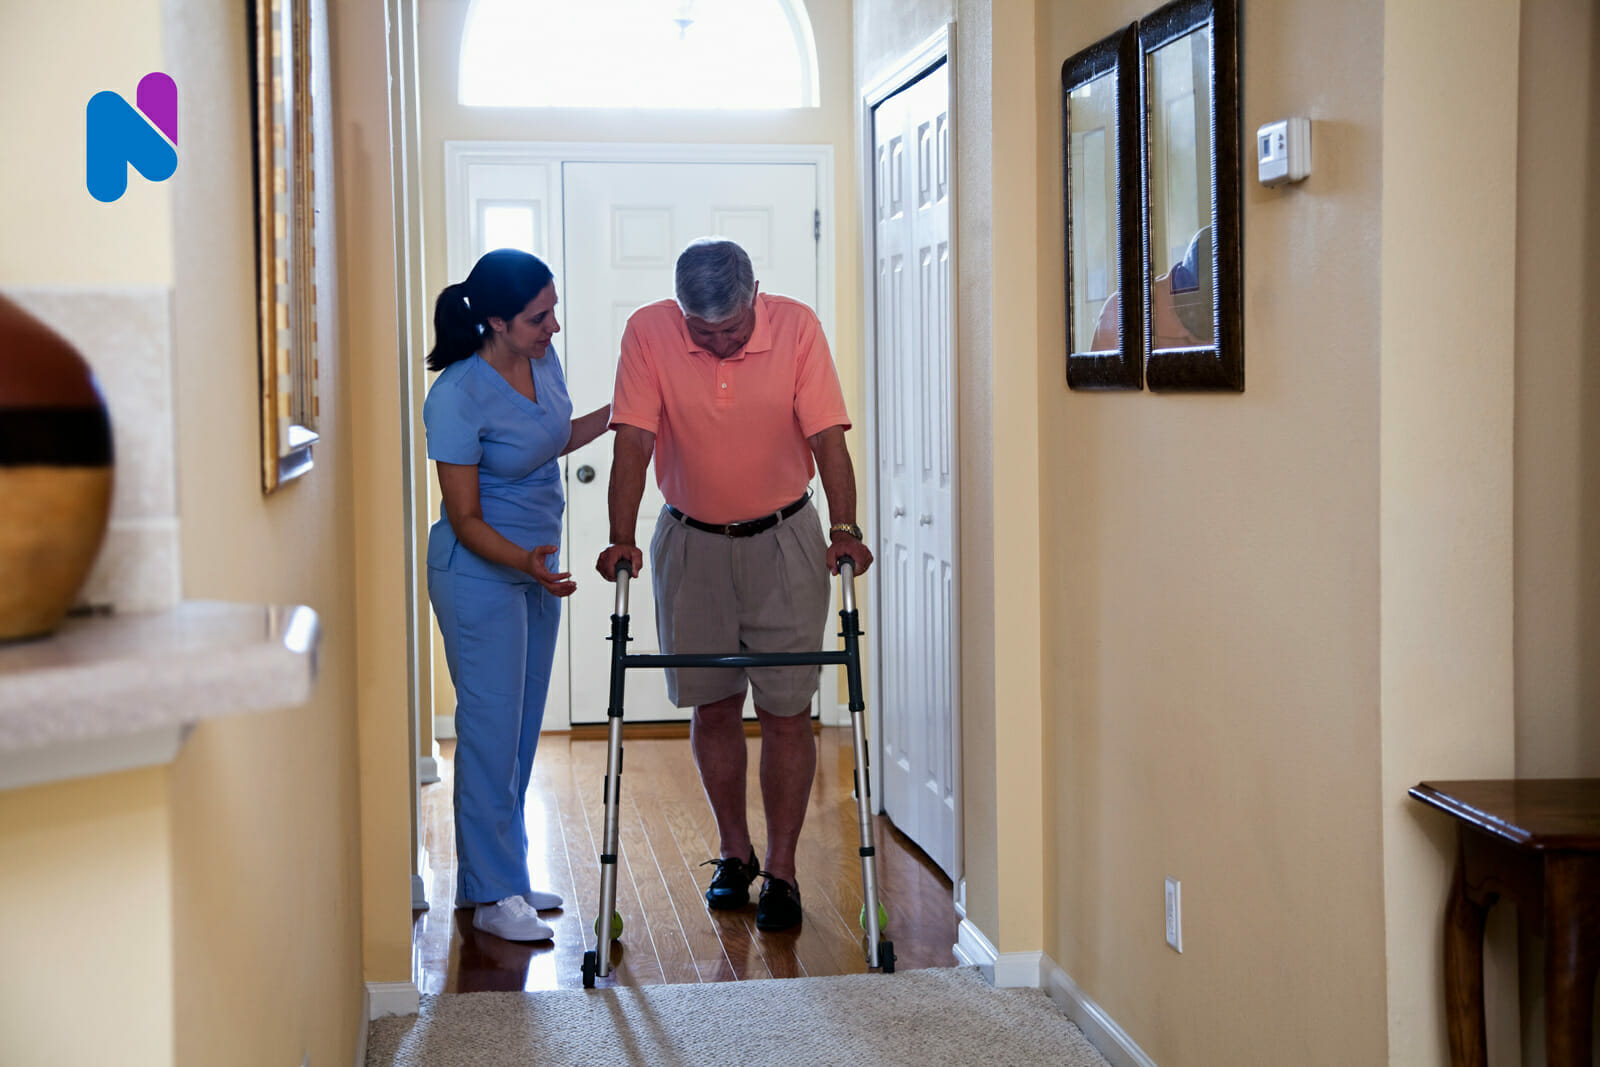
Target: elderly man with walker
[735,394]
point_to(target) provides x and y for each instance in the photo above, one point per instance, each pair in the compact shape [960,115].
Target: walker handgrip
[623,573]
[847,583]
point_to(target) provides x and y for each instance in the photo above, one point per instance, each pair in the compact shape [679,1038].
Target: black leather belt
[742,529]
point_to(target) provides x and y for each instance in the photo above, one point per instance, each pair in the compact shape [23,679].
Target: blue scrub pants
[499,642]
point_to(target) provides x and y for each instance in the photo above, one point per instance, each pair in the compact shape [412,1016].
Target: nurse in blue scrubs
[498,418]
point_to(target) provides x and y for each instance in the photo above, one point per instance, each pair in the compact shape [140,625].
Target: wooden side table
[1536,841]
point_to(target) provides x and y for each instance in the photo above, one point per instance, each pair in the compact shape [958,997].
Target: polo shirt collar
[760,336]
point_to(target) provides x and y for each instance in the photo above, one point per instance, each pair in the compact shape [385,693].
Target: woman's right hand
[556,584]
[614,554]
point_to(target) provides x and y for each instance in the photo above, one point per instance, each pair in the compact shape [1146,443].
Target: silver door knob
[925,520]
[585,474]
[899,511]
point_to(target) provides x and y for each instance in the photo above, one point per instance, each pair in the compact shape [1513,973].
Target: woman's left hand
[557,584]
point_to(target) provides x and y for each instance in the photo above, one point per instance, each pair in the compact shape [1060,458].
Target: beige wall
[1558,391]
[1557,415]
[981,777]
[266,847]
[86,919]
[56,56]
[1020,375]
[1212,633]
[1232,691]
[216,898]
[70,841]
[1445,517]
[290,843]
[368,333]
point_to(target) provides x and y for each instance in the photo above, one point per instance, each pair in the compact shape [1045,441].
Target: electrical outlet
[1175,914]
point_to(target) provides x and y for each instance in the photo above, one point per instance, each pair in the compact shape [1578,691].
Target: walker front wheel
[590,966]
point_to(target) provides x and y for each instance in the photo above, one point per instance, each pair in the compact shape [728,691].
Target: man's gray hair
[714,279]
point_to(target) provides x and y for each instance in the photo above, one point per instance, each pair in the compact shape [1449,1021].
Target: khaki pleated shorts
[761,594]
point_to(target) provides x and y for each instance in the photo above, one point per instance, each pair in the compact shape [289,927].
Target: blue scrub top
[473,416]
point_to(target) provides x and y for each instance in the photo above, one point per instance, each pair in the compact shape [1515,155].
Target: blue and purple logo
[119,136]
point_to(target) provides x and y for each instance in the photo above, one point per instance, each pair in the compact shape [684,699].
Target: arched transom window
[638,54]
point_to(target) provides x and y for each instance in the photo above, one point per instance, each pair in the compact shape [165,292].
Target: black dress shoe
[779,908]
[730,886]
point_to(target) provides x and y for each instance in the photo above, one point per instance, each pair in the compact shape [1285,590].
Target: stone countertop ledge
[111,693]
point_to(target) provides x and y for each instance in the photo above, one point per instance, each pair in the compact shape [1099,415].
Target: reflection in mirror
[1182,287]
[1093,125]
[1100,195]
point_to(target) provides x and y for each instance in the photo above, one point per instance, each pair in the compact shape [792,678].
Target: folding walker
[597,961]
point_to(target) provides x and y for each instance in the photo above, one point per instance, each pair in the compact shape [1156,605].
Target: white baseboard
[1010,970]
[444,726]
[392,998]
[361,1031]
[427,770]
[1035,970]
[1101,1029]
[1018,970]
[419,893]
[974,950]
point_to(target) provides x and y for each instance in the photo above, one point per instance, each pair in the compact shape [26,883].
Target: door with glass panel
[624,225]
[612,229]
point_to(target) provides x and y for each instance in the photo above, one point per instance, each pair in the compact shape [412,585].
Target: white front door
[623,225]
[915,434]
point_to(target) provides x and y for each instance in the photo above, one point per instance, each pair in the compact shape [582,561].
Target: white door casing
[915,457]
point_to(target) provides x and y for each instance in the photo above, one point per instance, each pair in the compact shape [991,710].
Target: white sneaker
[511,919]
[539,900]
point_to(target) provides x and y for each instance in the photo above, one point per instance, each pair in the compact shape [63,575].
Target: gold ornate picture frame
[285,237]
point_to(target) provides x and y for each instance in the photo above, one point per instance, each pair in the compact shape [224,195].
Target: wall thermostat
[1283,151]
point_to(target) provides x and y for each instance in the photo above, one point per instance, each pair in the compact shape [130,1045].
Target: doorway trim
[938,48]
[461,156]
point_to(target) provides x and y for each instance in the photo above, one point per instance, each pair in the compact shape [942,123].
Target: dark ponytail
[455,328]
[501,284]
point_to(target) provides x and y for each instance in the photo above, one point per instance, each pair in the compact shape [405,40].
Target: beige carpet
[929,1018]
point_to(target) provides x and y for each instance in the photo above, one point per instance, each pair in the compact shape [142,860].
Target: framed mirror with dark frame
[1100,139]
[1193,330]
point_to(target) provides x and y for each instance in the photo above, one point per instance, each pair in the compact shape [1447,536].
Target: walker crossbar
[739,659]
[878,953]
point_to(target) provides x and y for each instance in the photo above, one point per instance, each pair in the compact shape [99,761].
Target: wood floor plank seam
[672,902]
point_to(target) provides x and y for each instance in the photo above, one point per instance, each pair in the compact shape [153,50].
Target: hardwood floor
[666,832]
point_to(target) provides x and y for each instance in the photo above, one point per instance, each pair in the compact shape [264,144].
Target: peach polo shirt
[730,433]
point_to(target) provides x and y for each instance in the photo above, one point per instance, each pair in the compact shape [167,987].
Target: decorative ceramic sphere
[55,474]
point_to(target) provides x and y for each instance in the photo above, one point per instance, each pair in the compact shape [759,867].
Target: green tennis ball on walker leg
[883,916]
[616,925]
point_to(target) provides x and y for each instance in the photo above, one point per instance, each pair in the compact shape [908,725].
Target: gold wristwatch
[845,528]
